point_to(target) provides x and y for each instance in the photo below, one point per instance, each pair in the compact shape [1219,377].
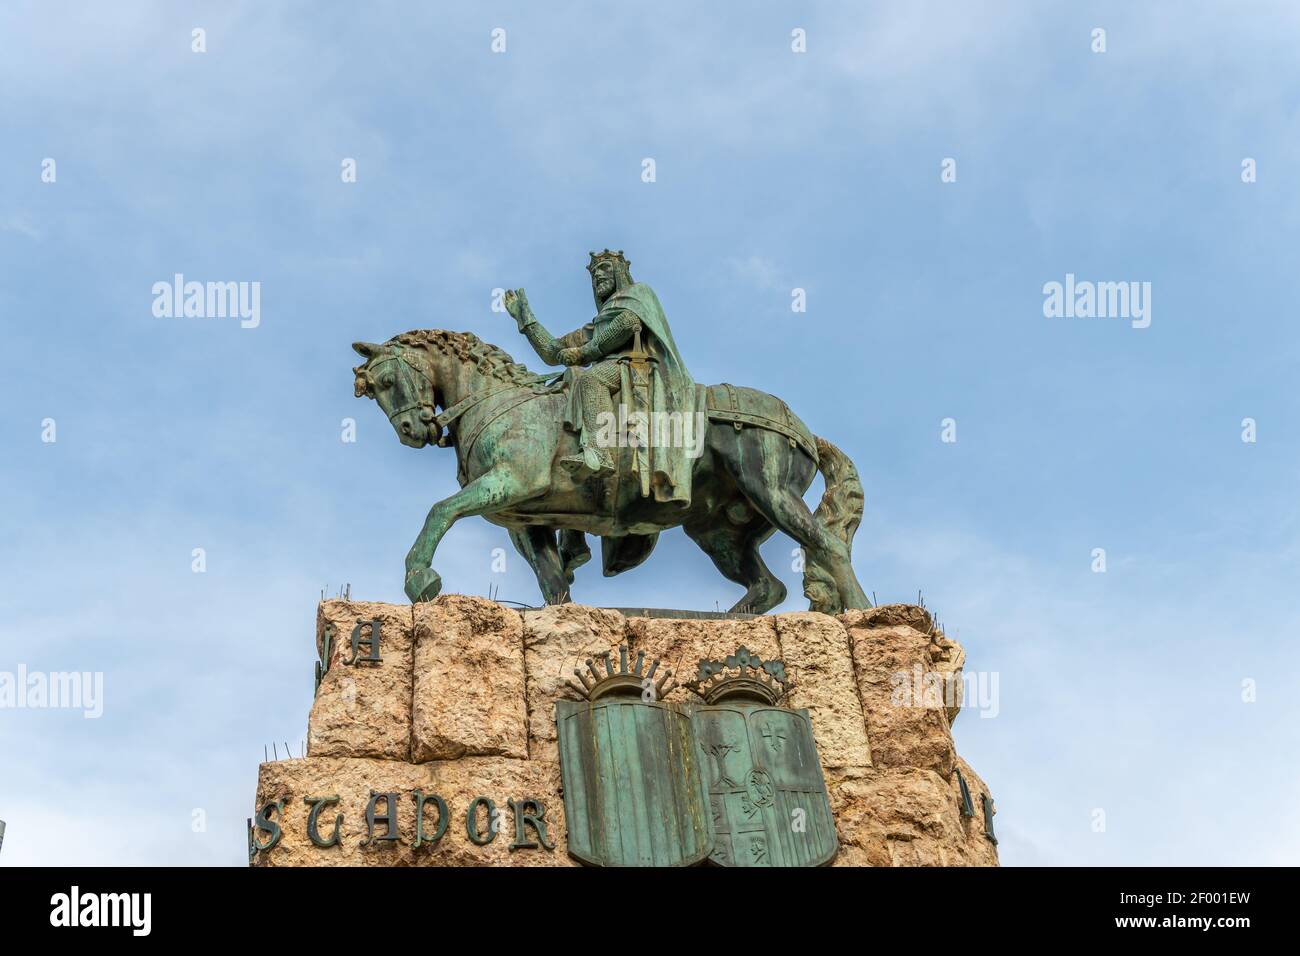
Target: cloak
[671,392]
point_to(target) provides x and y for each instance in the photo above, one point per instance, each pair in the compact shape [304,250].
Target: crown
[624,681]
[742,676]
[616,257]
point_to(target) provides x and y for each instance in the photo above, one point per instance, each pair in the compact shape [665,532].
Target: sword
[638,361]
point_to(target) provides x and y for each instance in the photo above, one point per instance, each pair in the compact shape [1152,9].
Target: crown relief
[741,676]
[623,680]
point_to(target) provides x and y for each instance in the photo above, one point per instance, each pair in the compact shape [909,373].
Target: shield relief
[736,782]
[633,794]
[767,797]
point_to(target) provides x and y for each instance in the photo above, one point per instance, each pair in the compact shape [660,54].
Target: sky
[1146,714]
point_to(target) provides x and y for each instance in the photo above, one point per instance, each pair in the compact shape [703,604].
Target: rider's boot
[593,460]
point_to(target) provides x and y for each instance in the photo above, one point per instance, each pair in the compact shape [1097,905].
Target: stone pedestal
[457,713]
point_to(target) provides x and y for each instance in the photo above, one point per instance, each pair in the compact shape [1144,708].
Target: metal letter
[967,808]
[313,819]
[420,800]
[526,811]
[988,818]
[471,821]
[389,818]
[371,642]
[264,822]
[323,665]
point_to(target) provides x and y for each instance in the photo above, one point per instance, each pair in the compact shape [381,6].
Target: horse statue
[753,460]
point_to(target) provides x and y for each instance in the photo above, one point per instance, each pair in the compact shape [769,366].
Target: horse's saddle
[749,407]
[736,405]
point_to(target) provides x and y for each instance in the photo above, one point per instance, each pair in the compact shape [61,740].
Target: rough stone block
[363,709]
[680,644]
[815,648]
[908,726]
[469,681]
[458,782]
[904,817]
[556,639]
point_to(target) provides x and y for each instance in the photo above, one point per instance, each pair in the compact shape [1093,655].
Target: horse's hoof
[422,584]
[573,562]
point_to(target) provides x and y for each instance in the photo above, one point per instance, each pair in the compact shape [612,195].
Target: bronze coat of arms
[735,781]
[633,792]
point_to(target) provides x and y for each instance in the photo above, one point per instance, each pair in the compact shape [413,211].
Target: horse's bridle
[443,422]
[411,367]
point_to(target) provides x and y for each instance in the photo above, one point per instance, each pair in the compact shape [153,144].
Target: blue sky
[1119,691]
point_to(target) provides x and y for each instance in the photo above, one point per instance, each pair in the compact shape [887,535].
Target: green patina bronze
[422,799]
[734,780]
[317,804]
[622,445]
[633,791]
[987,802]
[767,795]
[967,807]
[766,792]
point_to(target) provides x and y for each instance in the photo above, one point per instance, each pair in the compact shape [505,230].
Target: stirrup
[587,463]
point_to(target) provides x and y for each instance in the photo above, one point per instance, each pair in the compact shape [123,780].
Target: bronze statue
[623,445]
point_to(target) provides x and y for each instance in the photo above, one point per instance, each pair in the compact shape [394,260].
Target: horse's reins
[460,408]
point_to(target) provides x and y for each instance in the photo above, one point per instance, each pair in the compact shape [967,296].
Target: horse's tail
[840,513]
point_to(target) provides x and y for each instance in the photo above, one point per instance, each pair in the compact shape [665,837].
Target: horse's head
[397,377]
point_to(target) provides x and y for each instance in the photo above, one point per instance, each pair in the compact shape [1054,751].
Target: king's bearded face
[602,280]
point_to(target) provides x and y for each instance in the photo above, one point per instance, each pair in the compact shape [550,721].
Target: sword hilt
[638,353]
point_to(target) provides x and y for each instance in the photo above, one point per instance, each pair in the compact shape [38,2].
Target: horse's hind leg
[787,511]
[775,490]
[734,550]
[574,552]
[537,545]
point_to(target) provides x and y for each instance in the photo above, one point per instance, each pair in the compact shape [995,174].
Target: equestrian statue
[622,445]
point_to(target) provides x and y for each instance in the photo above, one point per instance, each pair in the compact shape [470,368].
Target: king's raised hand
[512,303]
[517,305]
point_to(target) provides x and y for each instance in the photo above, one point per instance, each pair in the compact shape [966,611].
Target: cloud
[19,224]
[757,271]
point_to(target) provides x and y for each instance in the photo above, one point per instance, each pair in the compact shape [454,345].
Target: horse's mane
[488,359]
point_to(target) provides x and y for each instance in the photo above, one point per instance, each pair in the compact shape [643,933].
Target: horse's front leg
[490,492]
